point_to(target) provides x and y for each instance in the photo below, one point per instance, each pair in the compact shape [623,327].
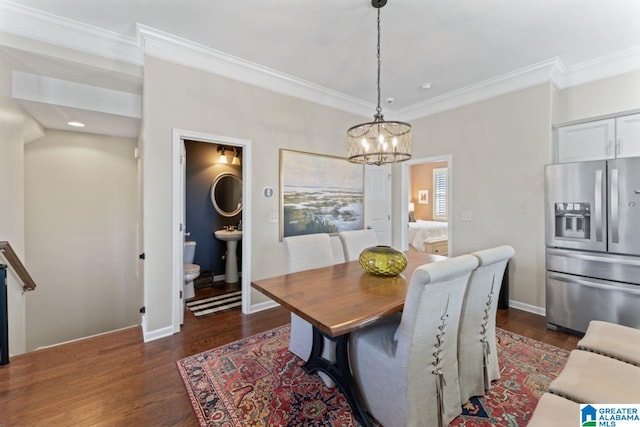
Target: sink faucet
[230,227]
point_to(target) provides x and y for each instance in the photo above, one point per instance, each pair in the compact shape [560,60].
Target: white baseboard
[157,333]
[84,338]
[527,307]
[262,306]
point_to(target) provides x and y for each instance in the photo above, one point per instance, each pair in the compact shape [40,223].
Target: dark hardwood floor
[117,380]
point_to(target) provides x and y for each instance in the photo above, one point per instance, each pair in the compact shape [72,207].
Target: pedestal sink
[231,266]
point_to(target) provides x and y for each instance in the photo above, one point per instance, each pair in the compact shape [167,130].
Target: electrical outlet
[465,216]
[273,217]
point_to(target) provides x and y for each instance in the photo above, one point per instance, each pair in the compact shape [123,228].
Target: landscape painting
[319,194]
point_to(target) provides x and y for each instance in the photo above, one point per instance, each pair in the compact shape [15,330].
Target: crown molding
[169,47]
[34,24]
[525,77]
[551,70]
[614,64]
[38,25]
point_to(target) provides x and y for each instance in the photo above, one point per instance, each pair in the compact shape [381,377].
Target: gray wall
[80,220]
[203,102]
[12,201]
[601,97]
[499,148]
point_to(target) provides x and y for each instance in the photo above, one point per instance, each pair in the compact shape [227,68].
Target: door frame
[404,244]
[178,220]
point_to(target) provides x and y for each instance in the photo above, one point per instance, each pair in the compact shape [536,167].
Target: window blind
[440,211]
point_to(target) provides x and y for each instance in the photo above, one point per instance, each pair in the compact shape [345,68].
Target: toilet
[191,270]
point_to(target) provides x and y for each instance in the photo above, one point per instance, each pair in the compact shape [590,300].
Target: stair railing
[4,317]
[27,282]
[27,285]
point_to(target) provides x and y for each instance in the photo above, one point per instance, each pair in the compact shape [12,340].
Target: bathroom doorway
[200,160]
[427,195]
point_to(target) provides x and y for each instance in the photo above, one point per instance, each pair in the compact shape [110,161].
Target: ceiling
[452,44]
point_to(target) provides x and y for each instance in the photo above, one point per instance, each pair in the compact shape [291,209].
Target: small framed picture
[423,197]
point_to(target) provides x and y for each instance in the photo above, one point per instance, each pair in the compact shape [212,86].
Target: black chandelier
[380,141]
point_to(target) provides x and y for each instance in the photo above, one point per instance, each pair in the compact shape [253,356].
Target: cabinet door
[628,136]
[586,141]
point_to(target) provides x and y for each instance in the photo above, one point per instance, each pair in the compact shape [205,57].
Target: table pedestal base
[340,372]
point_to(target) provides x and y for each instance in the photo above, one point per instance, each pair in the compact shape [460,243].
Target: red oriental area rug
[256,381]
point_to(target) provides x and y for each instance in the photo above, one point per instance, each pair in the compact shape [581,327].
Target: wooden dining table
[337,300]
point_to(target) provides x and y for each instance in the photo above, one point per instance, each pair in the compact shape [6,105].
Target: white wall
[602,97]
[499,148]
[12,202]
[180,97]
[80,218]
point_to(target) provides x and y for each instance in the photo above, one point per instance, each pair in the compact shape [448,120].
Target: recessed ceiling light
[76,124]
[390,100]
[426,86]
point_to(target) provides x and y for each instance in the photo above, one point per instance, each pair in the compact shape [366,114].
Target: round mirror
[226,194]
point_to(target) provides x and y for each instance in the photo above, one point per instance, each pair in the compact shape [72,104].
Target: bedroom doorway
[426,188]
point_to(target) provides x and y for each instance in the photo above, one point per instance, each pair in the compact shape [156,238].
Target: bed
[429,231]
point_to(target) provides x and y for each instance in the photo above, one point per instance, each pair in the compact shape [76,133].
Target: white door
[183,184]
[377,201]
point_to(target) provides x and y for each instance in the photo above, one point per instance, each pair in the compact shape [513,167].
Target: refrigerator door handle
[592,284]
[598,206]
[632,261]
[615,213]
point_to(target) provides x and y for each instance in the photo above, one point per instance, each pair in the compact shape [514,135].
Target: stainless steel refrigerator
[592,235]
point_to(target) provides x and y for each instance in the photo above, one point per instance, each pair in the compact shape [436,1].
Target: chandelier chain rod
[378,108]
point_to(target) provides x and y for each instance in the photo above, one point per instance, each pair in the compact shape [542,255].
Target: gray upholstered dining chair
[477,353]
[406,365]
[354,242]
[305,253]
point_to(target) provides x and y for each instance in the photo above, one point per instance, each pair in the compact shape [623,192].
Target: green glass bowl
[383,261]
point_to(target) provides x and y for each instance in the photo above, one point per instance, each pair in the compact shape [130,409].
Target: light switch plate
[273,217]
[465,216]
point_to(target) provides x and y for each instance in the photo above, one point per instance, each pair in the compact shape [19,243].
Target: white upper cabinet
[586,141]
[628,136]
[599,139]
